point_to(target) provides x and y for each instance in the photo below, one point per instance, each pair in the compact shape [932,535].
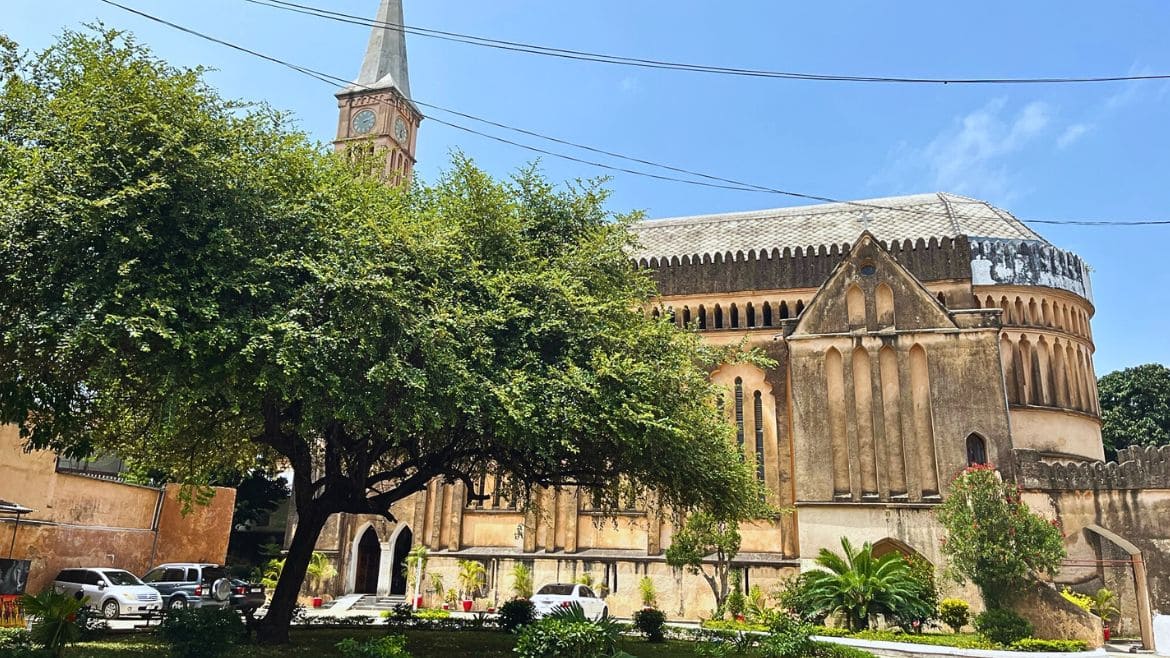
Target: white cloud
[1072,135]
[972,155]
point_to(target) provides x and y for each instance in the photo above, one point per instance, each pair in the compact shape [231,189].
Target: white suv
[112,591]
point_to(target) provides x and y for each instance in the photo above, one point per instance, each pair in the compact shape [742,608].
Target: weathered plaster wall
[1057,432]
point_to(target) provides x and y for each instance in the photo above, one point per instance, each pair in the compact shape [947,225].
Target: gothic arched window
[759,418]
[976,450]
[739,412]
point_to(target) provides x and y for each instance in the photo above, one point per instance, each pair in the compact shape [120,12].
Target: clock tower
[376,108]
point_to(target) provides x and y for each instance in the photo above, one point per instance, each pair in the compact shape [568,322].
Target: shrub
[1002,626]
[790,638]
[957,641]
[400,615]
[516,613]
[796,595]
[556,638]
[955,613]
[56,620]
[830,631]
[735,603]
[833,650]
[1082,601]
[648,592]
[202,632]
[521,581]
[1033,644]
[731,625]
[432,613]
[650,623]
[860,585]
[715,649]
[388,646]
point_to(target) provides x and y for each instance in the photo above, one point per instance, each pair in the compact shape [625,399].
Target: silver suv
[112,591]
[191,585]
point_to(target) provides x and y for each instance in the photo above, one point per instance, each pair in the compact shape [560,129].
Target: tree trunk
[273,629]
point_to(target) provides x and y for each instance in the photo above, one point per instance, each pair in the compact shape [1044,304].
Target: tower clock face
[363,122]
[400,130]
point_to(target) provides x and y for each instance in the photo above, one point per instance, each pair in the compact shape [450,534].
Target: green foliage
[992,538]
[18,643]
[713,649]
[431,613]
[521,581]
[732,625]
[789,638]
[416,564]
[1104,605]
[389,646]
[55,623]
[1033,644]
[651,623]
[917,609]
[955,613]
[1002,626]
[562,638]
[188,282]
[516,613]
[648,592]
[735,603]
[860,586]
[472,576]
[202,632]
[1135,407]
[320,570]
[1082,601]
[271,574]
[701,535]
[961,641]
[833,650]
[831,631]
[796,595]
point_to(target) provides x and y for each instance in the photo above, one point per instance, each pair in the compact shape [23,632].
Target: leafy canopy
[189,283]
[1135,407]
[993,539]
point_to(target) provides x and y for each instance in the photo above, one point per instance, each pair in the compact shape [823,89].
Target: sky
[1066,152]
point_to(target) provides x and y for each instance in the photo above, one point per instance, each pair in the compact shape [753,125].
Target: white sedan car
[563,595]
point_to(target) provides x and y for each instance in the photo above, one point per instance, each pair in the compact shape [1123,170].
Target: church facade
[912,336]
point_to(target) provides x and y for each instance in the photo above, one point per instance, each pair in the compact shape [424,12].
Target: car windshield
[121,578]
[557,590]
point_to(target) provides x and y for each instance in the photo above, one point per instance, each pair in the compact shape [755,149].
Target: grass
[319,642]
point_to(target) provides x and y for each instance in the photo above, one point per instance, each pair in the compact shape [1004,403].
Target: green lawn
[422,644]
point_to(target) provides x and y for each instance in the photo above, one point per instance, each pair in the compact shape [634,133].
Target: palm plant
[521,581]
[1104,605]
[56,619]
[472,576]
[858,585]
[320,570]
[416,567]
[271,574]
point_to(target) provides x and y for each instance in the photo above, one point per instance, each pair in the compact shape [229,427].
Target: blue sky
[1093,151]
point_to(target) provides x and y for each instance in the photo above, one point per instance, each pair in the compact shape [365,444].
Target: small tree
[648,592]
[1104,605]
[472,576]
[701,535]
[860,586]
[993,539]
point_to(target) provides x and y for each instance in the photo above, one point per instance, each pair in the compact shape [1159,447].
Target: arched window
[767,314]
[976,450]
[718,316]
[686,316]
[759,418]
[657,314]
[799,307]
[734,316]
[942,299]
[739,412]
[783,310]
[751,315]
[702,317]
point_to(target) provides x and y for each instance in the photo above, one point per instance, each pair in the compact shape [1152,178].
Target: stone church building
[912,336]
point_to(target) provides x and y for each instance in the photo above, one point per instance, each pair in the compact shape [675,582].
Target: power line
[581,55]
[720,182]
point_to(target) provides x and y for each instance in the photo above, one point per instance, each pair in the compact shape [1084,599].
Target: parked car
[564,595]
[114,592]
[247,597]
[191,585]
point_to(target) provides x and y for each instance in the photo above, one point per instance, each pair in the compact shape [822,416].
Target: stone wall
[1137,467]
[1054,618]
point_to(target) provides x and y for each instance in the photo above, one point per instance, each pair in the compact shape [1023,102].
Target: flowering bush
[993,539]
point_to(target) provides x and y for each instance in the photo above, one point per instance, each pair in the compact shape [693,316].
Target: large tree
[187,282]
[1135,407]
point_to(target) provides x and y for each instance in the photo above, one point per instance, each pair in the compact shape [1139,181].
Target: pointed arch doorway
[368,562]
[398,572]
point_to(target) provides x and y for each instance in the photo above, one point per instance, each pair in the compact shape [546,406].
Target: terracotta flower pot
[446,606]
[418,602]
[1106,631]
[467,606]
[318,602]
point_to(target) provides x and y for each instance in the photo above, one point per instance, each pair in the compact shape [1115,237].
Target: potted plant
[1104,605]
[416,573]
[648,592]
[472,576]
[451,597]
[521,581]
[319,572]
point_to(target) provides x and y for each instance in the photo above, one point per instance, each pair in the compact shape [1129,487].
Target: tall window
[739,412]
[759,418]
[976,450]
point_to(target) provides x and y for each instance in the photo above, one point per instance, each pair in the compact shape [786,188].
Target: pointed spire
[385,63]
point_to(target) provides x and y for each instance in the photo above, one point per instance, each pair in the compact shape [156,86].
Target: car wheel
[221,590]
[110,609]
[177,603]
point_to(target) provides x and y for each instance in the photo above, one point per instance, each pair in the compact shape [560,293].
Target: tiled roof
[900,218]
